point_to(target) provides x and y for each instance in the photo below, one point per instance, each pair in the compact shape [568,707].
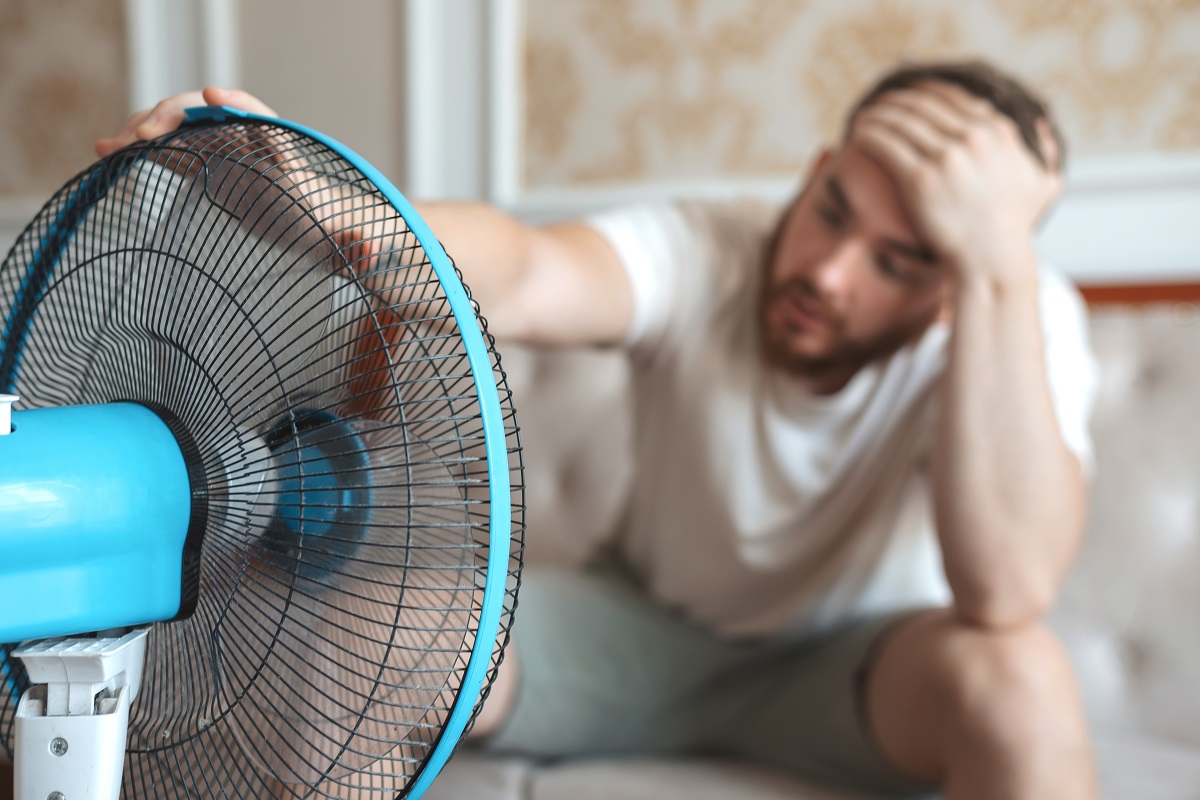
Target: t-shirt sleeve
[650,240]
[1071,368]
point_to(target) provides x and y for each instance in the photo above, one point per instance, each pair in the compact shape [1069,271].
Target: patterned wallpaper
[660,90]
[63,82]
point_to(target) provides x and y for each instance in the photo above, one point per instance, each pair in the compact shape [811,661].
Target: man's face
[848,280]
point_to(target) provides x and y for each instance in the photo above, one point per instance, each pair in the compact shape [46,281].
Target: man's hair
[1005,93]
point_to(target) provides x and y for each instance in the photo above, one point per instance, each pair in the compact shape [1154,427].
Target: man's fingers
[880,140]
[236,98]
[163,118]
[969,106]
[946,117]
[921,134]
[124,136]
[1048,145]
[169,114]
[149,123]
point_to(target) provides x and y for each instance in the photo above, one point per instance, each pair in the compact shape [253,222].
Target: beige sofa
[1130,612]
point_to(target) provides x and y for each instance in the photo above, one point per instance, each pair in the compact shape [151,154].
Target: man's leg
[597,667]
[987,715]
[501,698]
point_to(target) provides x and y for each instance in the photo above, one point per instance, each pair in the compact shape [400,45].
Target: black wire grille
[253,286]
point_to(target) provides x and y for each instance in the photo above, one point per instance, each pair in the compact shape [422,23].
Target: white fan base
[6,404]
[70,740]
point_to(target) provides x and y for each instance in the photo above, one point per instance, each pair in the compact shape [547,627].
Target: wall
[71,71]
[63,84]
[333,66]
[557,107]
[612,99]
[668,90]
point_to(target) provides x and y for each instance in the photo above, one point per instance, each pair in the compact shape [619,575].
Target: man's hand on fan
[168,115]
[358,238]
[555,285]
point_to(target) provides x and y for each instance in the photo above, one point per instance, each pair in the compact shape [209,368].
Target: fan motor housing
[95,504]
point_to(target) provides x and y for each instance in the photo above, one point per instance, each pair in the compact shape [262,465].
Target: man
[861,458]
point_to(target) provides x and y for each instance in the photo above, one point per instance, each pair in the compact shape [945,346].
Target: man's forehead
[870,192]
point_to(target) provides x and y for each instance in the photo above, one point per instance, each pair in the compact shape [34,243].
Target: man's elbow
[1008,604]
[1019,585]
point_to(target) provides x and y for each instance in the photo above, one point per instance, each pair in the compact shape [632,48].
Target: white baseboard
[1123,219]
[1112,226]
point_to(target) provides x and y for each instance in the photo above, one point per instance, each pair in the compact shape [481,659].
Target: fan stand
[71,725]
[6,404]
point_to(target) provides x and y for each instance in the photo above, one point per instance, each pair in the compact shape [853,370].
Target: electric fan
[260,505]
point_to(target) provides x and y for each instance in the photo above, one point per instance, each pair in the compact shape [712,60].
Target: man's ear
[1048,145]
[1053,156]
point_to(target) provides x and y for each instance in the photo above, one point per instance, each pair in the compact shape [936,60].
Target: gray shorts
[606,671]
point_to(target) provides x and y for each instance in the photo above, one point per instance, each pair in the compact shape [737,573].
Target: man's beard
[844,357]
[773,343]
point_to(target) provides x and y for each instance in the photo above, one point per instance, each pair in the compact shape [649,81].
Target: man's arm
[557,285]
[1009,496]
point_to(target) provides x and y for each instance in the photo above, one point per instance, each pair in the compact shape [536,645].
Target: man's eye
[831,217]
[889,267]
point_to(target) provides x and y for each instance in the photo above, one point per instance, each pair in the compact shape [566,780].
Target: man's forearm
[1009,496]
[490,248]
[557,285]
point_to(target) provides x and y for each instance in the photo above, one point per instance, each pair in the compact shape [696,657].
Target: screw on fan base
[82,689]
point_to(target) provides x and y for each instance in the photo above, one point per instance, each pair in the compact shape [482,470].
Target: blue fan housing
[95,504]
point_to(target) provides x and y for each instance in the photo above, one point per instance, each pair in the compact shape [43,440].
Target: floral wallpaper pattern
[664,90]
[63,78]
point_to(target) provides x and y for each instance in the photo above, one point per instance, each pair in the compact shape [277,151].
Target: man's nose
[835,273]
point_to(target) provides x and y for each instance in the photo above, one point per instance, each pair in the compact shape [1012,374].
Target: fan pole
[72,723]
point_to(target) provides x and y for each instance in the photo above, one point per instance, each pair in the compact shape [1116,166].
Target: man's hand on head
[972,187]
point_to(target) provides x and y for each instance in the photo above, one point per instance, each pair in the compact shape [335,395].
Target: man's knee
[501,698]
[941,690]
[1013,684]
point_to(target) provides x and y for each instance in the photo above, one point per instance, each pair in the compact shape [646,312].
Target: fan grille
[255,287]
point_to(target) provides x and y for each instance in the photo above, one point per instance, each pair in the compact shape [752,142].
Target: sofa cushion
[1139,768]
[1130,609]
[1128,612]
[1130,768]
[478,777]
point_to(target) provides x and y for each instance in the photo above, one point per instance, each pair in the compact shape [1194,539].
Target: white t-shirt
[758,508]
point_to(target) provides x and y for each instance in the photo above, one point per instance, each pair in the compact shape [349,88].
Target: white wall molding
[1126,219]
[220,38]
[1153,171]
[1121,218]
[179,45]
[445,52]
[506,57]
